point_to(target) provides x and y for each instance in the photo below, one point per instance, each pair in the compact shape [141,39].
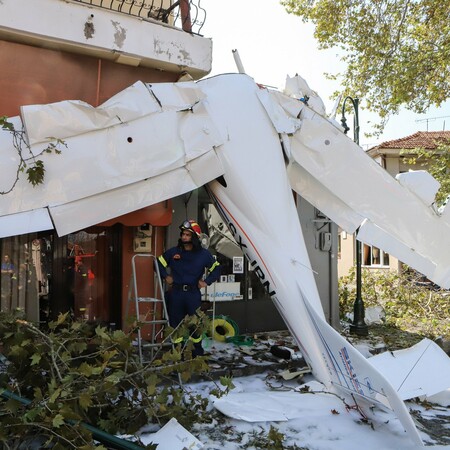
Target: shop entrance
[46,275]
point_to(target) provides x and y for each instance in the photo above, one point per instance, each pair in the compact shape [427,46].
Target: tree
[397,52]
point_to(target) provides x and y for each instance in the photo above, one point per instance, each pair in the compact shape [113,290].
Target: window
[374,257]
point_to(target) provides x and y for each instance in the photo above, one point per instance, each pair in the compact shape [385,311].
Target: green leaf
[85,401]
[68,413]
[36,173]
[12,405]
[35,359]
[101,332]
[31,414]
[62,318]
[85,369]
[38,394]
[5,124]
[58,420]
[115,377]
[77,347]
[55,395]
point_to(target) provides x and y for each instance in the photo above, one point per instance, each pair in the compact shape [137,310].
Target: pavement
[262,352]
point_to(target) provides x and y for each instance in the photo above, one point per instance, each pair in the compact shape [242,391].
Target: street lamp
[358,326]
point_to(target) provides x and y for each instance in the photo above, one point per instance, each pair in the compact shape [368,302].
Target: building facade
[89,50]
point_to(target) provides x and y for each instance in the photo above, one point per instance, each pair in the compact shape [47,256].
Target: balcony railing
[185,14]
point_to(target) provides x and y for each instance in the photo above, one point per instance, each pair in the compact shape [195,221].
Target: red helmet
[191,225]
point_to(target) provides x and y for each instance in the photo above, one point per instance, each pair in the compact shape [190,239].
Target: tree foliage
[77,373]
[397,52]
[409,303]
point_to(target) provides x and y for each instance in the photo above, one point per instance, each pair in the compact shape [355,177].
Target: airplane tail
[353,375]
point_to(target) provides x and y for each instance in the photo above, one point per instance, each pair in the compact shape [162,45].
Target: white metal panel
[373,235]
[421,370]
[421,183]
[25,222]
[318,195]
[343,169]
[84,212]
[107,158]
[71,118]
[282,122]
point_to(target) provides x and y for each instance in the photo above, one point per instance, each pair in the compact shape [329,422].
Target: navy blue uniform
[186,269]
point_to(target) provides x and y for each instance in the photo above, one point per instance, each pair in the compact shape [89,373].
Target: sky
[272,44]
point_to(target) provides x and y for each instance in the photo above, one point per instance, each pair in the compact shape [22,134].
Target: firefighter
[183,268]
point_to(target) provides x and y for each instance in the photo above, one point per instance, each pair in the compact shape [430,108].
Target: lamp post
[358,326]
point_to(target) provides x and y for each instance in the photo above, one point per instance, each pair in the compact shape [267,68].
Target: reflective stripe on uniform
[162,261]
[214,266]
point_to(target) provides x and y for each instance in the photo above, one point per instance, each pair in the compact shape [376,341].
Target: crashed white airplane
[251,146]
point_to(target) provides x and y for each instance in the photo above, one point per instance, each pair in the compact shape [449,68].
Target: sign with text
[223,292]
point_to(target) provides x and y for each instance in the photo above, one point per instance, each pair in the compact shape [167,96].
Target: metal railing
[188,15]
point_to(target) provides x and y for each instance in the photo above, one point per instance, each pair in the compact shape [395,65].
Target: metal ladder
[151,316]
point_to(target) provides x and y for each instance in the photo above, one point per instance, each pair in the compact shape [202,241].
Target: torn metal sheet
[421,370]
[297,87]
[172,436]
[176,96]
[282,122]
[105,155]
[322,150]
[79,214]
[65,119]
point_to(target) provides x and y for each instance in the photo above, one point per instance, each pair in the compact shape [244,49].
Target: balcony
[185,14]
[156,34]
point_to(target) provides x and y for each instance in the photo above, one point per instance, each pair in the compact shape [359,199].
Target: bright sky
[272,44]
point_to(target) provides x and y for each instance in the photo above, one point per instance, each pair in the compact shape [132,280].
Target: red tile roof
[422,139]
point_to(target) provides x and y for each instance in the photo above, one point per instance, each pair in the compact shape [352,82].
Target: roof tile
[422,139]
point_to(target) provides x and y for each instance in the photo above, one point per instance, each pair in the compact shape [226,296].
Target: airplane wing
[334,174]
[145,145]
